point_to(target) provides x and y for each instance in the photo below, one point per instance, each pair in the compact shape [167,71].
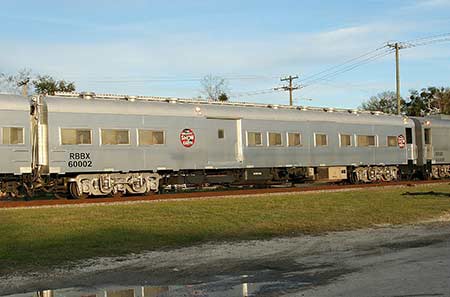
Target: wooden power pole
[397,46]
[289,88]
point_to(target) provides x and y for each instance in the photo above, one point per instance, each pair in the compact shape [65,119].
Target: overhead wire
[344,63]
[347,68]
[412,41]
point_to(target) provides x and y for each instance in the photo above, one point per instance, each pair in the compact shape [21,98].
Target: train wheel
[118,194]
[75,193]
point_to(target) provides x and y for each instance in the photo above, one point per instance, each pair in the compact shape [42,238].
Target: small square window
[294,139]
[150,137]
[366,140]
[115,136]
[71,136]
[392,140]
[321,139]
[12,135]
[346,140]
[254,139]
[275,139]
[220,134]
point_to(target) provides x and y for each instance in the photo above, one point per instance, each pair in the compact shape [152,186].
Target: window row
[320,139]
[11,135]
[71,136]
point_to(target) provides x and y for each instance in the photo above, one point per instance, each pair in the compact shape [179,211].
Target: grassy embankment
[44,237]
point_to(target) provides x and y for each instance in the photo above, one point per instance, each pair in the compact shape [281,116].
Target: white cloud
[431,4]
[186,56]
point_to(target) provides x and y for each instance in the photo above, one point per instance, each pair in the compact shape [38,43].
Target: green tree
[223,97]
[46,84]
[41,84]
[417,105]
[429,100]
[385,101]
[441,99]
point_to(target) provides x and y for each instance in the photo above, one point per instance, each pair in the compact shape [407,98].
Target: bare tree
[14,83]
[214,87]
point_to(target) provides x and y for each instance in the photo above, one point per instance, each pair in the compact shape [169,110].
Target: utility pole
[397,46]
[24,85]
[289,88]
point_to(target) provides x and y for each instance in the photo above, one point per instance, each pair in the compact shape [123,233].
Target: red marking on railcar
[401,141]
[187,137]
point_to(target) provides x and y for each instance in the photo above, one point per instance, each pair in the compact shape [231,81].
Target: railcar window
[346,140]
[254,139]
[275,139]
[151,137]
[12,135]
[294,139]
[115,136]
[392,141]
[409,138]
[427,134]
[220,134]
[75,136]
[366,140]
[321,140]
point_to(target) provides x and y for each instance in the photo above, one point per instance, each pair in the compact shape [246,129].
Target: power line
[397,46]
[254,93]
[343,64]
[438,36]
[348,68]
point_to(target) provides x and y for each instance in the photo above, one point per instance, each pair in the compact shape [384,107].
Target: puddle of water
[198,290]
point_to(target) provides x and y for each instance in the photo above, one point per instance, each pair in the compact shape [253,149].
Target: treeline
[24,81]
[431,100]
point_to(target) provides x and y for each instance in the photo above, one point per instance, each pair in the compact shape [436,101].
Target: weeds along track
[210,194]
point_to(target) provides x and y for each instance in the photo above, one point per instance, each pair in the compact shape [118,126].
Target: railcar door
[224,140]
[428,144]
[411,148]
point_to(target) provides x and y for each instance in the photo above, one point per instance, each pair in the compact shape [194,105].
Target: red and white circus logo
[401,141]
[187,137]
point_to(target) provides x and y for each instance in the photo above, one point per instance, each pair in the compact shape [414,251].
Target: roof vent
[87,95]
[130,98]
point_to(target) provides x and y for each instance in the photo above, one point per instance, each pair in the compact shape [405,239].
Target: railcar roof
[437,120]
[14,102]
[188,108]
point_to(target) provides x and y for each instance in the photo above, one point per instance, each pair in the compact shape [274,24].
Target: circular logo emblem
[187,137]
[401,141]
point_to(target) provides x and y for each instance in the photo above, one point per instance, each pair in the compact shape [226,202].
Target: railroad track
[209,194]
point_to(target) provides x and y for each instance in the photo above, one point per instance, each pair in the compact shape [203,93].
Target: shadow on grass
[430,193]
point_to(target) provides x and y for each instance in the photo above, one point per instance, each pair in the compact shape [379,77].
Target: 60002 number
[79,163]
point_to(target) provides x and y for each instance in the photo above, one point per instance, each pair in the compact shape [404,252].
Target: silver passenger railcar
[110,145]
[88,144]
[15,143]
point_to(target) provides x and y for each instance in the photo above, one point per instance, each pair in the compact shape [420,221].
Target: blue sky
[154,48]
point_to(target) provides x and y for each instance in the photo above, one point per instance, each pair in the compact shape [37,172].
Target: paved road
[415,267]
[408,261]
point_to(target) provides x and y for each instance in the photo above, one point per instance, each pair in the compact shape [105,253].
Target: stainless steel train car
[15,143]
[86,144]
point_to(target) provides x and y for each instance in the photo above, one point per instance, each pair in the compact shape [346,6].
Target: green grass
[41,238]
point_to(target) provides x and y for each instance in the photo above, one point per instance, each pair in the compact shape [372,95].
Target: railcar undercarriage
[138,183]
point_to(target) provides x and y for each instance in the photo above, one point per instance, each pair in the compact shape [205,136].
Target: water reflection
[201,290]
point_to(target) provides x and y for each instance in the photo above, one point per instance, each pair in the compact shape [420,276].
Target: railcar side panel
[15,144]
